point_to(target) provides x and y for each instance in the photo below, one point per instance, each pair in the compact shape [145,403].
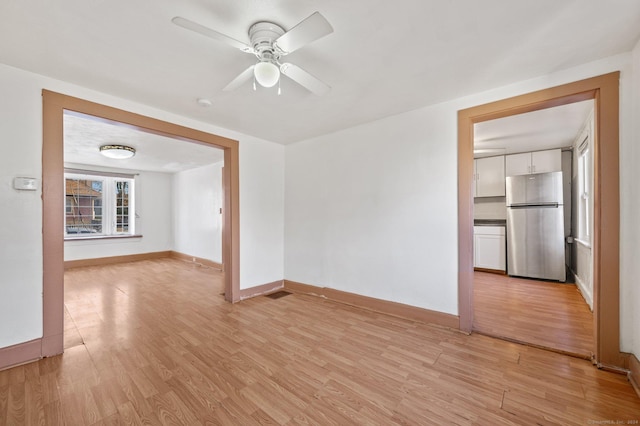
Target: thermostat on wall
[25,183]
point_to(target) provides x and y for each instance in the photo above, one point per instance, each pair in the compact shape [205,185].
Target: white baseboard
[586,294]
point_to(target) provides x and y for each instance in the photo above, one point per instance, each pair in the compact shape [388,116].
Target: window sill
[102,237]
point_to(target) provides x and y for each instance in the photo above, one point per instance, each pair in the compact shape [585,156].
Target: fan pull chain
[254,83]
[279,91]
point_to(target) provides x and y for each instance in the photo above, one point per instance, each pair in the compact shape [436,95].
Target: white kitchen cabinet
[489,248]
[533,162]
[488,175]
[518,164]
[546,161]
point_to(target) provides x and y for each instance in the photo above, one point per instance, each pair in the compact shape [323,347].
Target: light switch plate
[25,183]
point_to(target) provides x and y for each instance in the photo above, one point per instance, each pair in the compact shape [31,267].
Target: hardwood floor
[153,342]
[542,313]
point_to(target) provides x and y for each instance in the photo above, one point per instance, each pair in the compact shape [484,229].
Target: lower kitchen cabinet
[489,248]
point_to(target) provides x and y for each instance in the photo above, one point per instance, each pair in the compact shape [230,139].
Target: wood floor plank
[234,411]
[154,342]
[262,418]
[128,414]
[53,413]
[4,403]
[104,401]
[171,410]
[34,405]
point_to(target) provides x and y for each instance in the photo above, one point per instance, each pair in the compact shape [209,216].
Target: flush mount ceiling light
[119,152]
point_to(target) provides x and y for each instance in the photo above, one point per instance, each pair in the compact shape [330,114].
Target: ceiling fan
[269,42]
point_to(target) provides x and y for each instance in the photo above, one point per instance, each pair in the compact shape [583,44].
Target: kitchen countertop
[490,222]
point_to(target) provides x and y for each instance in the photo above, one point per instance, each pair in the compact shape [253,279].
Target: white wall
[630,210]
[373,209]
[261,213]
[584,270]
[21,212]
[582,256]
[197,222]
[153,202]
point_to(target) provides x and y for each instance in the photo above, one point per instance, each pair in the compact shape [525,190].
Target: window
[98,205]
[584,191]
[122,206]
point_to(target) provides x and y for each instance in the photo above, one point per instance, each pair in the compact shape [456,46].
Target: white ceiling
[83,136]
[384,57]
[534,131]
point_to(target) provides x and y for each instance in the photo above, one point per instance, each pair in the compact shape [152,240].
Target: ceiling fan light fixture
[118,152]
[269,42]
[266,73]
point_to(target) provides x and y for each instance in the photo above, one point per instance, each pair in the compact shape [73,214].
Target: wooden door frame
[604,90]
[54,105]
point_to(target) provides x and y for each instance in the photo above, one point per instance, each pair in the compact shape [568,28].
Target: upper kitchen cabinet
[488,177]
[534,162]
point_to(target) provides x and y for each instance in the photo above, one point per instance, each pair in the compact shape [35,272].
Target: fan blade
[305,79]
[240,79]
[308,30]
[208,32]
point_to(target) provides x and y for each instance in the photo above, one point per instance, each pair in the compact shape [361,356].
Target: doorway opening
[164,201]
[603,90]
[532,258]
[54,107]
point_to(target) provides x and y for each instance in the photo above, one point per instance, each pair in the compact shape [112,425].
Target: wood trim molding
[52,225]
[102,237]
[491,271]
[604,90]
[194,259]
[231,221]
[400,310]
[69,264]
[54,106]
[248,293]
[606,223]
[634,373]
[21,353]
[111,260]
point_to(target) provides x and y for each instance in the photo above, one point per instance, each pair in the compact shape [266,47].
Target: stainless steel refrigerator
[535,226]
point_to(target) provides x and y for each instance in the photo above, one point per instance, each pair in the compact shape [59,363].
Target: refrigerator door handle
[536,206]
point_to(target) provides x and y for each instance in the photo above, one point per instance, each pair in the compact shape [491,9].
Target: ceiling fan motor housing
[262,36]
